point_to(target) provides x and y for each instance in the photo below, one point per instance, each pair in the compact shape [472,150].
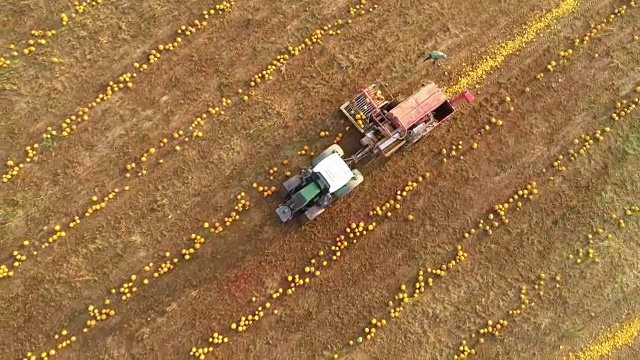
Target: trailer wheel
[335,148]
[352,184]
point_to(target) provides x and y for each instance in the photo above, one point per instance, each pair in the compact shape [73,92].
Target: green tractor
[328,178]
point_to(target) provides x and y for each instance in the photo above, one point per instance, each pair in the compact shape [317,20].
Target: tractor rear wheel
[313,212]
[290,185]
[335,148]
[352,184]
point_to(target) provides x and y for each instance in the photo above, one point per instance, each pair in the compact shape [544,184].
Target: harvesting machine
[388,124]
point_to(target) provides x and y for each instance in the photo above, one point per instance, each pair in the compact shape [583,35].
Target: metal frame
[363,91]
[374,152]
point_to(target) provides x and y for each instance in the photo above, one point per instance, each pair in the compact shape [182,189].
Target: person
[435,56]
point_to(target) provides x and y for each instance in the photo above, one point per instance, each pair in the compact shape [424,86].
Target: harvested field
[144,143]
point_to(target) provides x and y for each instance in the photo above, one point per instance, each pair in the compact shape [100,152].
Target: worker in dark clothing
[435,56]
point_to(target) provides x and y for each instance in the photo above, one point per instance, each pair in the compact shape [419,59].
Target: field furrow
[507,232]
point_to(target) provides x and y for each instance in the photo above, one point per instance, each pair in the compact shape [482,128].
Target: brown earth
[251,258]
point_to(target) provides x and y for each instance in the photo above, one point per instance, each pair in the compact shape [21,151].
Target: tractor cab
[333,171]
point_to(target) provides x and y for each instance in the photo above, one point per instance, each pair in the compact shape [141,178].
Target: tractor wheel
[352,184]
[335,148]
[290,185]
[313,212]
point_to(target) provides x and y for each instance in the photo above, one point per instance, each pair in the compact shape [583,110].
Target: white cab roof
[335,171]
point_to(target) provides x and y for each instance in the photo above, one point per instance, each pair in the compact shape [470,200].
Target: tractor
[328,178]
[388,124]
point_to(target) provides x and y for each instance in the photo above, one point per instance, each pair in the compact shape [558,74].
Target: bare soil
[252,258]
